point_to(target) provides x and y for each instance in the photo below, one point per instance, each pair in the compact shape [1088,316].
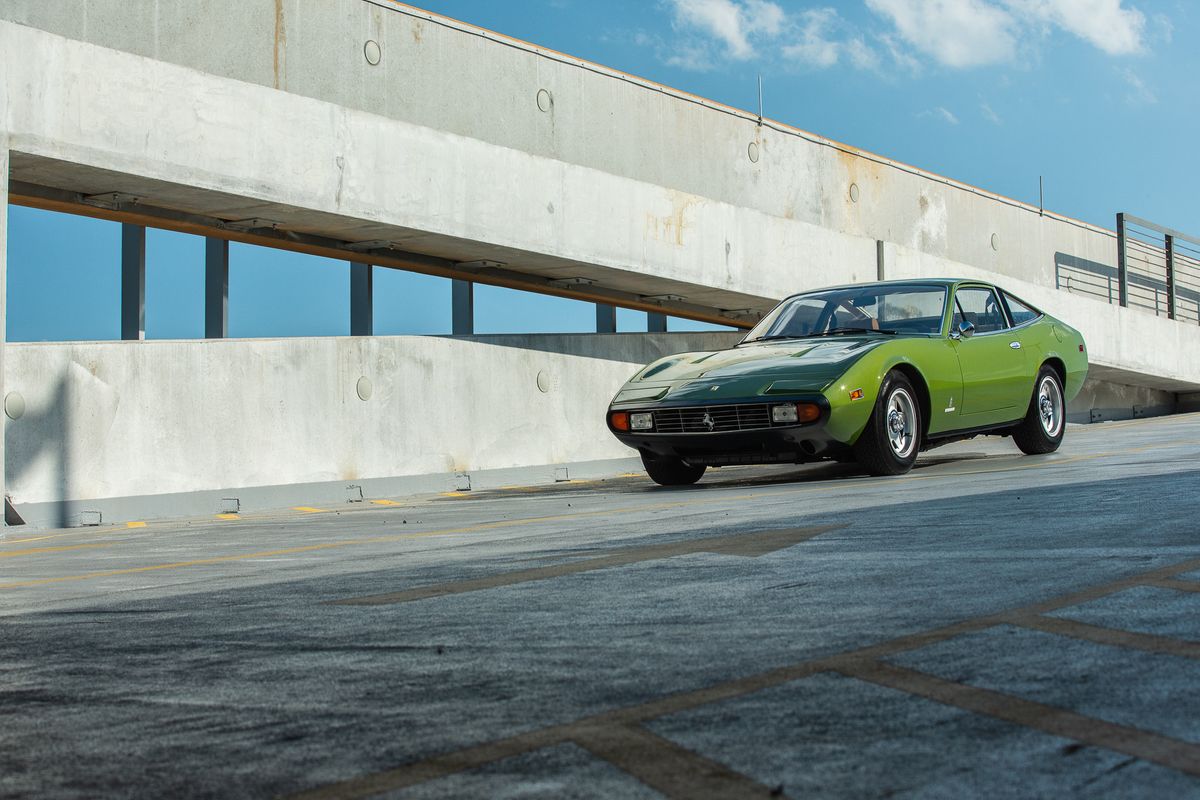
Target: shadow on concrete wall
[50,434]
[1082,276]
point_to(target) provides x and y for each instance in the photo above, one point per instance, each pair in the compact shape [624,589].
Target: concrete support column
[462,308]
[216,288]
[3,300]
[362,294]
[606,318]
[656,322]
[133,282]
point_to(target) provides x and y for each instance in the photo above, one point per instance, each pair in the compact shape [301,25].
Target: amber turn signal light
[619,420]
[808,412]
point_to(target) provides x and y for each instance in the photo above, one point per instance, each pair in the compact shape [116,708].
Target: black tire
[892,439]
[668,471]
[1045,421]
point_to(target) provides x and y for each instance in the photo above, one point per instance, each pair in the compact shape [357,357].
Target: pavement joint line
[1178,584]
[663,765]
[807,488]
[1113,637]
[863,663]
[1154,747]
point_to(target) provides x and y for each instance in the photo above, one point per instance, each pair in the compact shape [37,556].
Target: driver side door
[992,360]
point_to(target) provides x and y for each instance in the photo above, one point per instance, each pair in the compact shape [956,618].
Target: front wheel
[892,438]
[1045,422]
[669,471]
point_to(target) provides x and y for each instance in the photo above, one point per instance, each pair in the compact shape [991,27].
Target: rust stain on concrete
[280,42]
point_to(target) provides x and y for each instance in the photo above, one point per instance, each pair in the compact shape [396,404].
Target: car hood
[789,365]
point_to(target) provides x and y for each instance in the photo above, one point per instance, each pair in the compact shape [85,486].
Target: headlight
[641,422]
[784,414]
[795,412]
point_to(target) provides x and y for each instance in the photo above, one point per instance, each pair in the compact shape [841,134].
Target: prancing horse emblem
[708,421]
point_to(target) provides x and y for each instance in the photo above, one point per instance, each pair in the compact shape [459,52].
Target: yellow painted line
[384,503]
[308,509]
[35,551]
[135,524]
[229,516]
[456,494]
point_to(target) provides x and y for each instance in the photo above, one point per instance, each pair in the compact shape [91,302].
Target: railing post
[462,308]
[1122,275]
[1170,250]
[216,288]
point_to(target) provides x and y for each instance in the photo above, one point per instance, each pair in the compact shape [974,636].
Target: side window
[1020,312]
[981,308]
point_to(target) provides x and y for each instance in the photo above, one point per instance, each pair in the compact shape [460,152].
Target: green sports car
[873,373]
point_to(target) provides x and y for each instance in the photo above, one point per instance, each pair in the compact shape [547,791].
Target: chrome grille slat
[726,419]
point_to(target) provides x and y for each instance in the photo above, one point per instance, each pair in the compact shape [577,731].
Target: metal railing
[1157,269]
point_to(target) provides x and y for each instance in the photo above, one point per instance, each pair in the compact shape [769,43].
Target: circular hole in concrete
[752,152]
[364,388]
[372,52]
[544,383]
[995,241]
[14,405]
[854,193]
[544,100]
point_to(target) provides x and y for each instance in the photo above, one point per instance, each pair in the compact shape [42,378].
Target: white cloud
[733,23]
[813,42]
[989,114]
[969,33]
[1106,24]
[940,113]
[1139,93]
[956,33]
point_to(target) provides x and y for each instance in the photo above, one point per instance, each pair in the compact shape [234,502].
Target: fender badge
[950,406]
[714,387]
[857,394]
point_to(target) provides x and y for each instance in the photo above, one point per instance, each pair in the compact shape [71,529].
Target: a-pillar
[606,318]
[133,282]
[462,308]
[216,288]
[362,293]
[656,322]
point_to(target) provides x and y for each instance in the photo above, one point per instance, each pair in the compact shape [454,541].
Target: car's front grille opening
[714,419]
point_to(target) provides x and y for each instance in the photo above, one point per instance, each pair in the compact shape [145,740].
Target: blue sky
[1097,96]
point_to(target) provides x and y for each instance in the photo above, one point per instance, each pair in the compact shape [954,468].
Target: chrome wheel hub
[1050,406]
[901,423]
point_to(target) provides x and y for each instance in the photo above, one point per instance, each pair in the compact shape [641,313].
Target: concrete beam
[216,288]
[462,309]
[606,318]
[133,282]
[362,294]
[656,322]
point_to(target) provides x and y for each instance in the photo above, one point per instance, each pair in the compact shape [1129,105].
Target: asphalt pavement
[991,625]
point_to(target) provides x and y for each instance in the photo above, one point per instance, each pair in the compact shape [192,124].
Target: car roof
[941,282]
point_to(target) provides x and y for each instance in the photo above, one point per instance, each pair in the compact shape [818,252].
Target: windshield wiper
[839,331]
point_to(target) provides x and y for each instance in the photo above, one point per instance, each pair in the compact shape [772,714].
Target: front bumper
[779,444]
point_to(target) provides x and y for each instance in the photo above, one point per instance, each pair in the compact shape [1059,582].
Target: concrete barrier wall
[201,420]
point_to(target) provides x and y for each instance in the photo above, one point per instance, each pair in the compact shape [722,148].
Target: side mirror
[965,330]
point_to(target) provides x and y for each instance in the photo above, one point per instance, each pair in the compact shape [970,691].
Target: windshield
[869,309]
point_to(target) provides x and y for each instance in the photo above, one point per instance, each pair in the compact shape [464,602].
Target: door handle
[1015,345]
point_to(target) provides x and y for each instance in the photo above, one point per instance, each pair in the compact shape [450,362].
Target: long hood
[749,370]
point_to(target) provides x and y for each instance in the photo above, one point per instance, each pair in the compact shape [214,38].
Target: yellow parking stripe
[229,516]
[308,509]
[135,524]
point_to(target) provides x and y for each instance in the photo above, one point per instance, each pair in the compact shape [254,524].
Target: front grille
[750,417]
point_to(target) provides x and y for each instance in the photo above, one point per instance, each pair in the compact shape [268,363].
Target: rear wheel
[1046,421]
[670,471]
[890,442]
